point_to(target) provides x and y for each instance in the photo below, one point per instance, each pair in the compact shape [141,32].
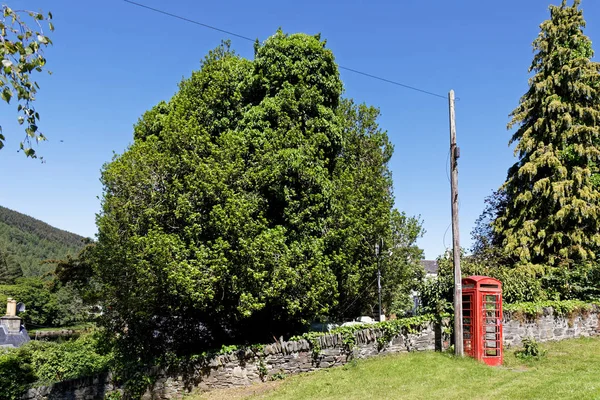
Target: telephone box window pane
[487,285]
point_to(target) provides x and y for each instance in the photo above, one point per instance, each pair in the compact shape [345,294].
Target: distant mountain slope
[26,241]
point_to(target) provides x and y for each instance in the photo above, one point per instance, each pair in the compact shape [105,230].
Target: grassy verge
[569,371]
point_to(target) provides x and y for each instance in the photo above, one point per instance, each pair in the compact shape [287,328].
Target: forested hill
[26,241]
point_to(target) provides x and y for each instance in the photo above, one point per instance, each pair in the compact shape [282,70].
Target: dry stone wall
[92,388]
[548,326]
[245,367]
[285,358]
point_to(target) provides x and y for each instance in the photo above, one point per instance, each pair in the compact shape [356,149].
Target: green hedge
[43,363]
[16,373]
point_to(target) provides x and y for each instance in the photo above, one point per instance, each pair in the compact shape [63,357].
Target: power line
[393,82]
[189,20]
[444,238]
[359,296]
[253,40]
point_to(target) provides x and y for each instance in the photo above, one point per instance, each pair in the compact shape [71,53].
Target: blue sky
[111,61]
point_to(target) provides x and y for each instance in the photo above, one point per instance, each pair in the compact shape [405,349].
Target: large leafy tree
[361,217]
[248,205]
[552,210]
[22,41]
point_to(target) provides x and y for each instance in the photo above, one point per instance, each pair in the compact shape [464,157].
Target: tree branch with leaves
[22,44]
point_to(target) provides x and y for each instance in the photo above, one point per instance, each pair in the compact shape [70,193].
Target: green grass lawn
[571,370]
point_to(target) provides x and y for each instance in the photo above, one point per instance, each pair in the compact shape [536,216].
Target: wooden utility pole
[377,253]
[454,154]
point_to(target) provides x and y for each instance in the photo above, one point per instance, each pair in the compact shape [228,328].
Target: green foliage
[518,284]
[78,274]
[9,269]
[49,362]
[401,265]
[115,395]
[16,373]
[21,45]
[35,294]
[526,282]
[487,242]
[262,369]
[278,376]
[248,205]
[387,329]
[552,213]
[361,206]
[26,242]
[55,362]
[531,350]
[47,303]
[436,293]
[533,310]
[27,246]
[581,281]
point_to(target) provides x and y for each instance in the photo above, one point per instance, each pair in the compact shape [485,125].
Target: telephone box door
[491,334]
[468,324]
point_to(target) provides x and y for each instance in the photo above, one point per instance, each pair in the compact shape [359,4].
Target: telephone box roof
[479,279]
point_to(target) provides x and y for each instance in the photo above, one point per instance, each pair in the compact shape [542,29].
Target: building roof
[12,340]
[431,266]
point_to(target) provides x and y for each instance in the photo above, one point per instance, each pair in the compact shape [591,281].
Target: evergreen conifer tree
[9,269]
[552,214]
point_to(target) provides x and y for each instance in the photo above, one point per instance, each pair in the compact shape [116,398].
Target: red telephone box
[482,318]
